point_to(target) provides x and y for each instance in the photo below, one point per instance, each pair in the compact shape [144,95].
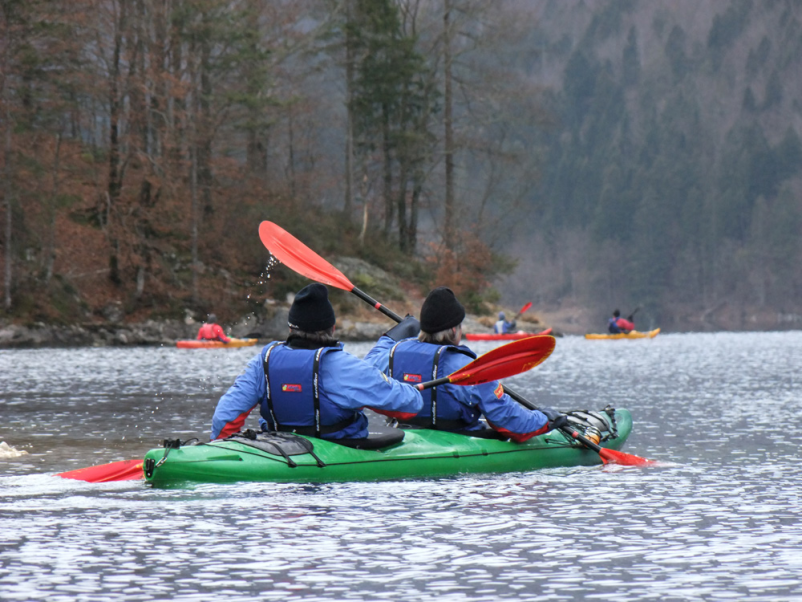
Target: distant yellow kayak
[635,334]
[195,344]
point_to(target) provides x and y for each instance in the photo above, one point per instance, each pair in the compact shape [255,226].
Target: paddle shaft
[433,383]
[568,431]
[371,301]
[607,455]
[524,309]
[584,440]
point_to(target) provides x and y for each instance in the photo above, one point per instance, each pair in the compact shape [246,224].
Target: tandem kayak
[510,336]
[203,344]
[388,454]
[630,335]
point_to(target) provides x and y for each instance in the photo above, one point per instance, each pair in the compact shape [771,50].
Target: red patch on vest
[412,378]
[291,388]
[499,391]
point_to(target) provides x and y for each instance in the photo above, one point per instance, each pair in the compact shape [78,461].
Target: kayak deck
[635,334]
[423,453]
[510,336]
[204,344]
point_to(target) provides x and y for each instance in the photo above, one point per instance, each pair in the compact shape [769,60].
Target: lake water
[722,521]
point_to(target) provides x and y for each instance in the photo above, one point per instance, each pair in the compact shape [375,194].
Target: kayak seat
[379,436]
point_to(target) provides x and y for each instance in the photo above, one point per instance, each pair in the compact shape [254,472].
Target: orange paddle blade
[507,360]
[525,308]
[610,456]
[298,257]
[126,470]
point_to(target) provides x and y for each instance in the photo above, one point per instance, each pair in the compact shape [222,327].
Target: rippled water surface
[721,522]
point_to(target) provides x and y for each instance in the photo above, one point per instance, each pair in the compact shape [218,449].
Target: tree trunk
[388,172]
[363,192]
[115,183]
[7,188]
[50,255]
[291,153]
[448,217]
[204,149]
[349,124]
[412,231]
[193,185]
[176,110]
[401,202]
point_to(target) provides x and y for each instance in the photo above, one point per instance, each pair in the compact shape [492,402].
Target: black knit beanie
[311,310]
[441,311]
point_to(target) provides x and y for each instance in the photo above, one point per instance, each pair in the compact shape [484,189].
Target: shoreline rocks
[163,333]
[167,332]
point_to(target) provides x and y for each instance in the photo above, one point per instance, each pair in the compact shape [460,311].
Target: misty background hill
[670,173]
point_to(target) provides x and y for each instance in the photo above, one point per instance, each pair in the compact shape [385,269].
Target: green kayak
[387,454]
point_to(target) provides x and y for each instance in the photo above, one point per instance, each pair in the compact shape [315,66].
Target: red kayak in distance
[510,336]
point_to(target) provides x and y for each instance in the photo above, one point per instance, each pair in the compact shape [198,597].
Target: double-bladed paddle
[303,260]
[501,362]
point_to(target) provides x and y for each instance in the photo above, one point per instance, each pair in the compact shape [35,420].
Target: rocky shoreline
[167,332]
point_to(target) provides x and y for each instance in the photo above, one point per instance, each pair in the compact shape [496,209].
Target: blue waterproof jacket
[346,384]
[612,326]
[503,327]
[465,403]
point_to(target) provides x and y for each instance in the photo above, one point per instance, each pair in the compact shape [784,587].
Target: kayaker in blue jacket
[502,326]
[313,387]
[436,352]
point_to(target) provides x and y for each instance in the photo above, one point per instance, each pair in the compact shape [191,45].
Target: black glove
[408,327]
[512,324]
[556,420]
[630,317]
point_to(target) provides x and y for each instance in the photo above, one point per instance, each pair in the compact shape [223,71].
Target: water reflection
[722,522]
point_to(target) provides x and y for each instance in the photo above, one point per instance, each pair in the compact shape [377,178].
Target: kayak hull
[635,334]
[202,344]
[422,454]
[510,336]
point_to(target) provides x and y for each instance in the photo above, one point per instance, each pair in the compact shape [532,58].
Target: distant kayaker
[436,352]
[502,326]
[618,325]
[308,384]
[212,331]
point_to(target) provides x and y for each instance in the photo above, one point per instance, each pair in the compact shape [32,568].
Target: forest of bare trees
[145,141]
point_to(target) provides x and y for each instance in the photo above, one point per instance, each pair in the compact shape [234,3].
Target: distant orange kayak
[202,344]
[510,336]
[650,334]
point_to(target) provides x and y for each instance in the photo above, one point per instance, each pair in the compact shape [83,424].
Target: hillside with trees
[582,155]
[671,163]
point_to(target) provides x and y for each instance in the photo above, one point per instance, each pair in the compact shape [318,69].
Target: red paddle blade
[507,360]
[616,457]
[298,257]
[127,470]
[525,308]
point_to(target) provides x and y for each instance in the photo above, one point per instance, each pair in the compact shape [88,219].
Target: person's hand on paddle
[406,328]
[556,420]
